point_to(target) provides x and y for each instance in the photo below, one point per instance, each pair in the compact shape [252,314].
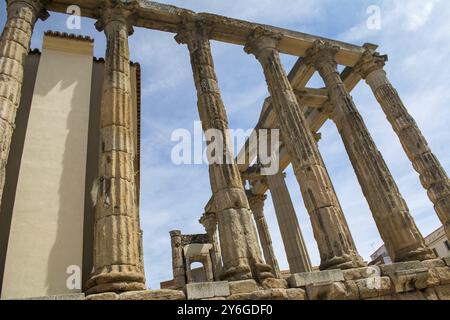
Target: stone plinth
[207,290]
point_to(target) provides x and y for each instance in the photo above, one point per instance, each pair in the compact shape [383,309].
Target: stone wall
[428,280]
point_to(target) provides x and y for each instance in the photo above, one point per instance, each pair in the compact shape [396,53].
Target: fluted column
[116,238]
[432,175]
[178,264]
[14,47]
[209,222]
[240,250]
[257,206]
[333,237]
[395,224]
[294,244]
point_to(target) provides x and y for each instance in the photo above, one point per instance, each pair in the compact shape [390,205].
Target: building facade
[47,213]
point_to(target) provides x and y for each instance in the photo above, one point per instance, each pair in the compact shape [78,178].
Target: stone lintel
[157,16]
[205,290]
[299,280]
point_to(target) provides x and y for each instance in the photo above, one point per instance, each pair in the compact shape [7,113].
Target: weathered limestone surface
[294,244]
[407,276]
[304,279]
[153,295]
[333,237]
[432,175]
[209,222]
[244,286]
[179,277]
[116,240]
[395,224]
[240,250]
[257,207]
[14,47]
[205,290]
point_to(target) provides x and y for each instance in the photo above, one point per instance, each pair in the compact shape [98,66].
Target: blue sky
[415,35]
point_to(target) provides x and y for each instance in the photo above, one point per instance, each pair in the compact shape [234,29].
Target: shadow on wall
[66,250]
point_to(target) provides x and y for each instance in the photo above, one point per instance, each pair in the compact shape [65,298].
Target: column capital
[37,5]
[191,28]
[262,39]
[209,221]
[121,11]
[256,202]
[321,53]
[369,62]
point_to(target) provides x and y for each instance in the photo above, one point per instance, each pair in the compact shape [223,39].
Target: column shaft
[333,237]
[209,221]
[178,267]
[240,250]
[395,224]
[257,206]
[294,244]
[14,48]
[116,239]
[432,175]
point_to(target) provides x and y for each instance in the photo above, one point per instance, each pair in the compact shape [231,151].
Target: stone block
[443,292]
[103,296]
[374,287]
[296,294]
[434,263]
[244,286]
[326,291]
[407,276]
[430,294]
[153,295]
[444,275]
[361,273]
[205,290]
[299,280]
[272,294]
[352,290]
[388,269]
[415,296]
[272,283]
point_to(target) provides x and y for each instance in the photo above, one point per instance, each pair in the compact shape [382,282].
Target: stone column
[257,206]
[178,267]
[240,250]
[116,238]
[395,224]
[432,175]
[209,222]
[294,244]
[333,237]
[14,47]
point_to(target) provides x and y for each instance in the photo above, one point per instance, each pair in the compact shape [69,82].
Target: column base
[243,272]
[420,254]
[115,281]
[343,263]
